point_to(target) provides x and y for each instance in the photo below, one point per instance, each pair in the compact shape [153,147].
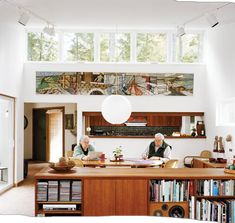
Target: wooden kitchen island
[115,191]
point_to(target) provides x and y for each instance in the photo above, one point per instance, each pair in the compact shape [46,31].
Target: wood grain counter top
[146,173]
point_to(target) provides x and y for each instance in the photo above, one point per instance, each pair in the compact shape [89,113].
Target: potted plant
[117,153]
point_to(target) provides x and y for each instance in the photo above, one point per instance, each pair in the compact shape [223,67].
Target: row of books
[63,190]
[216,188]
[219,211]
[170,191]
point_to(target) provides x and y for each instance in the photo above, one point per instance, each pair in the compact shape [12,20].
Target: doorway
[48,134]
[7,129]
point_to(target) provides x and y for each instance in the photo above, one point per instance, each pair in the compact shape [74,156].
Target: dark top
[159,152]
[84,151]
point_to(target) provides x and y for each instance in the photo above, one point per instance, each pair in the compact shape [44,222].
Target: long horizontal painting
[98,83]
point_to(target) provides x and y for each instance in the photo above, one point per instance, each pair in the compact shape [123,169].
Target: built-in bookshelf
[202,194]
[207,200]
[58,197]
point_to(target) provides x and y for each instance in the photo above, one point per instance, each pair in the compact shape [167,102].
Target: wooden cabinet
[164,121]
[131,197]
[115,197]
[99,197]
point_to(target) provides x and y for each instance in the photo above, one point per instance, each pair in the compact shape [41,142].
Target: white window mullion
[112,47]
[133,48]
[61,56]
[96,47]
[170,45]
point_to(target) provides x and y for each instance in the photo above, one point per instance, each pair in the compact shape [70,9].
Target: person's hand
[154,158]
[85,158]
[144,156]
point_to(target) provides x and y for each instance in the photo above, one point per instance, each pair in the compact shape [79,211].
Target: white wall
[12,53]
[193,103]
[69,137]
[220,78]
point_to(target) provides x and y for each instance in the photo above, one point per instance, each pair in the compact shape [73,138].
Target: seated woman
[82,150]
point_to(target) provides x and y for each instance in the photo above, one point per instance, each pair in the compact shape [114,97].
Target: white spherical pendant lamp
[116,109]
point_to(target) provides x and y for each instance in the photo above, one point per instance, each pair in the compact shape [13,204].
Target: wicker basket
[61,168]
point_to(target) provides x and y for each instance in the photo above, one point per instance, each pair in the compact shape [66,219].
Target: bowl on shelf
[62,166]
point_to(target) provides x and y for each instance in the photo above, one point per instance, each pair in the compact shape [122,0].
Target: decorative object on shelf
[62,165]
[194,132]
[116,109]
[177,134]
[216,145]
[220,145]
[229,138]
[231,167]
[117,154]
[200,128]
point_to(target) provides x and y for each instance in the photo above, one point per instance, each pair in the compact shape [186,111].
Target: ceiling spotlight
[49,30]
[180,31]
[212,20]
[24,18]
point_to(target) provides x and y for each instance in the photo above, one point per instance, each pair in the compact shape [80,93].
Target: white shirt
[166,154]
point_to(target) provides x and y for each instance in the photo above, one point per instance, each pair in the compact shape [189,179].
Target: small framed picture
[69,124]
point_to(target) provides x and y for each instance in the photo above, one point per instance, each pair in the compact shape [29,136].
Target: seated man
[82,150]
[158,149]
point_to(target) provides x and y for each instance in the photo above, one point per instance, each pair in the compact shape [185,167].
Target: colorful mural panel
[105,83]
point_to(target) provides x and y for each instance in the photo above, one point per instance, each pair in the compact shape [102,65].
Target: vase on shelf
[118,157]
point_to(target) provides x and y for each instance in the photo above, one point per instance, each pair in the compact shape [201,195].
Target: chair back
[78,162]
[171,164]
[69,153]
[206,154]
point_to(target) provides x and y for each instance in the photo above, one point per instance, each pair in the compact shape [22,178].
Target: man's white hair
[84,138]
[159,135]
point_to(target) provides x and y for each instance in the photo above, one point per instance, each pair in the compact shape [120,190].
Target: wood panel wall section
[131,197]
[99,197]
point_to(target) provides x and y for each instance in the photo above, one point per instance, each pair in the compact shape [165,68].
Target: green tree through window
[115,47]
[42,47]
[188,48]
[79,46]
[151,47]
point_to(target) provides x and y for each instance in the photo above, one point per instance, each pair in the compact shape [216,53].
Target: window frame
[170,45]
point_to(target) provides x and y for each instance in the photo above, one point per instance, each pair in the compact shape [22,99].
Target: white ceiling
[117,13]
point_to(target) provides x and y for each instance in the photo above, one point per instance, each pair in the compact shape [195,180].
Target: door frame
[14,181]
[62,108]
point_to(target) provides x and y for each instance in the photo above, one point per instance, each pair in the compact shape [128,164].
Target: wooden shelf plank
[58,212]
[59,202]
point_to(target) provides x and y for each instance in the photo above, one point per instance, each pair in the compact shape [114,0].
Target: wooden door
[98,197]
[131,197]
[39,134]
